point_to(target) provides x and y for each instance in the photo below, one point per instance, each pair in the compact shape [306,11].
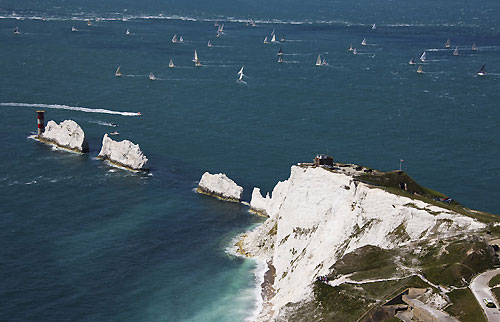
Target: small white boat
[73,29]
[174,39]
[455,52]
[350,47]
[280,52]
[220,29]
[280,59]
[482,71]
[216,24]
[127,32]
[412,62]
[241,70]
[363,43]
[374,27]
[318,60]
[89,23]
[324,63]
[283,38]
[181,40]
[118,72]
[252,23]
[152,76]
[474,48]
[240,79]
[266,41]
[422,57]
[196,60]
[420,70]
[274,38]
[447,44]
[16,31]
[209,44]
[114,133]
[171,63]
[354,51]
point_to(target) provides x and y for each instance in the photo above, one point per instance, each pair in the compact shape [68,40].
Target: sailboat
[118,72]
[89,23]
[174,39]
[181,40]
[283,38]
[422,58]
[447,44]
[221,29]
[274,38]
[455,52]
[73,29]
[482,71]
[318,61]
[252,23]
[127,32]
[216,24]
[240,79]
[241,71]
[411,62]
[374,27]
[324,63]
[209,44]
[152,76]
[266,41]
[197,62]
[16,31]
[280,52]
[171,63]
[363,43]
[280,59]
[272,33]
[354,51]
[420,70]
[350,47]
[474,48]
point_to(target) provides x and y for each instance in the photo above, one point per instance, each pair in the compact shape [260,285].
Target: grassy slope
[465,306]
[494,281]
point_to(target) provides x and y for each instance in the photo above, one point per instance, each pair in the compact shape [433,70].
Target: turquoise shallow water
[83,242]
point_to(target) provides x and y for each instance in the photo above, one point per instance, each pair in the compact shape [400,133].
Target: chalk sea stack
[124,154]
[219,186]
[67,135]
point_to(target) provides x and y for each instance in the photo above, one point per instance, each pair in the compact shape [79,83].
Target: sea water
[82,241]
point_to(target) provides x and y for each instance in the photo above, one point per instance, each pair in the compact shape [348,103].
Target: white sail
[274,38]
[171,63]
[73,29]
[272,33]
[350,48]
[354,51]
[181,40]
[422,58]
[197,62]
[412,62]
[240,78]
[266,41]
[374,27]
[448,44]
[324,63]
[280,52]
[241,71]
[482,71]
[16,31]
[152,76]
[209,44]
[89,23]
[118,72]
[455,52]
[419,70]
[363,42]
[318,61]
[474,48]
[280,59]
[174,39]
[127,32]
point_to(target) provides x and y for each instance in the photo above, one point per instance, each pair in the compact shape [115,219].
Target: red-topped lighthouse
[40,121]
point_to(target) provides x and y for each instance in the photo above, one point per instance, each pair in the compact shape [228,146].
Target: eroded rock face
[317,216]
[220,186]
[123,153]
[68,134]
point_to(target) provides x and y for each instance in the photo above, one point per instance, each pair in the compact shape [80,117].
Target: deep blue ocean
[81,241]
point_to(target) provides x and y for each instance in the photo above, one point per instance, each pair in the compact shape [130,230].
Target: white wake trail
[73,108]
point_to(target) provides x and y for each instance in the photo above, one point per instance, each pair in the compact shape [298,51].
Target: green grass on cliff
[464,306]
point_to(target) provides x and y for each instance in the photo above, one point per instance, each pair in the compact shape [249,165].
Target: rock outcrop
[220,186]
[123,154]
[68,135]
[318,215]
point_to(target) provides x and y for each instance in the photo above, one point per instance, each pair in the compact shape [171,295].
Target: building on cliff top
[323,159]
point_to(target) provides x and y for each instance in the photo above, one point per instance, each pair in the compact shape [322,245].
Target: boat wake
[71,108]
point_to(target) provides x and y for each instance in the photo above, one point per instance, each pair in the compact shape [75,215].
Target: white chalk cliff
[318,215]
[68,134]
[123,153]
[219,185]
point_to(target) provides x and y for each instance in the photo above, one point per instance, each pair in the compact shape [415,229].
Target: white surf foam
[71,108]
